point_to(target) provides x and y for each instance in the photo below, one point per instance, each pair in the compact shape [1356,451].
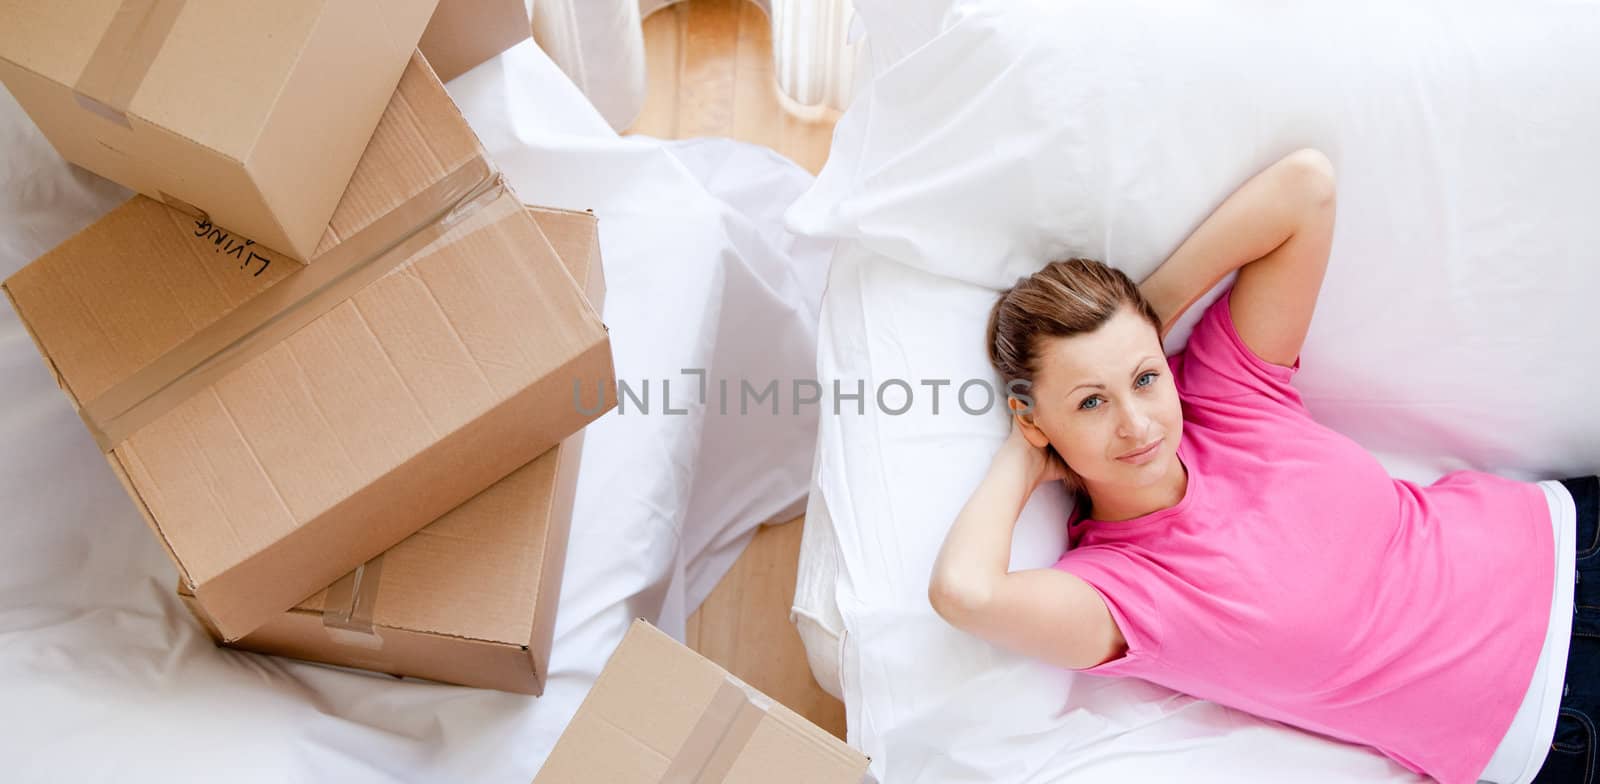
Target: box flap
[485,665]
[54,39]
[787,749]
[464,33]
[474,572]
[421,139]
[637,715]
[660,710]
[576,238]
[202,76]
[132,286]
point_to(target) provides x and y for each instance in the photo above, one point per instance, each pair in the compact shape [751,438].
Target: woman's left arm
[1277,230]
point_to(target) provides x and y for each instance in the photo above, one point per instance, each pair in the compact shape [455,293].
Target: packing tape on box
[348,606]
[123,57]
[297,300]
[719,736]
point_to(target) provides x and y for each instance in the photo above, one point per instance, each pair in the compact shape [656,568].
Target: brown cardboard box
[661,712]
[471,599]
[251,113]
[464,33]
[280,424]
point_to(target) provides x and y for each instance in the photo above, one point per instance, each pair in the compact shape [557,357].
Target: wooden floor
[710,65]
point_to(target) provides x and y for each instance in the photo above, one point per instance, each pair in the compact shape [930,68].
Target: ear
[1025,423]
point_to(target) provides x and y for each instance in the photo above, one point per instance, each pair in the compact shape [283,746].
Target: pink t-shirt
[1298,581]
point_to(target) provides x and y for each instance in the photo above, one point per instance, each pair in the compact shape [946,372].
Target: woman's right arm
[1046,614]
[1282,217]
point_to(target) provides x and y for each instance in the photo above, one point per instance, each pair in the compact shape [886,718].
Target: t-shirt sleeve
[1217,364]
[1127,588]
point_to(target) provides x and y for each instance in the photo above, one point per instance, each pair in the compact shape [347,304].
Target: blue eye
[1144,380]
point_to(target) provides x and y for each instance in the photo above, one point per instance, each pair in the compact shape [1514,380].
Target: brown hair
[1065,298]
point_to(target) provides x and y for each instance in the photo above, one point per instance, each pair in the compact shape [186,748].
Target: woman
[1227,546]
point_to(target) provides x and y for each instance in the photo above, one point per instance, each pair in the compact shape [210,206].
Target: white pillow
[1456,320]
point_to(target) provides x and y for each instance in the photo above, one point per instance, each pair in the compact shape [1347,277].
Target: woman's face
[1102,396]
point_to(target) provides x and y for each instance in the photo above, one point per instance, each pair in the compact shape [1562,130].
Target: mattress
[107,677]
[1452,331]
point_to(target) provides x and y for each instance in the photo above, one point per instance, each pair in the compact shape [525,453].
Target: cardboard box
[472,598]
[280,424]
[252,114]
[464,33]
[661,712]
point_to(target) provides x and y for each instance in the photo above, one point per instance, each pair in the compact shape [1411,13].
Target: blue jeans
[1571,759]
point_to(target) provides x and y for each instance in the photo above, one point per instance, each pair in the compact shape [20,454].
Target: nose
[1133,423]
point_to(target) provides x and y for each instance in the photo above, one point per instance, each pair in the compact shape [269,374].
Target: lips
[1142,451]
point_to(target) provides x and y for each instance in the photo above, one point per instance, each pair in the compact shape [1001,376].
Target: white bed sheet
[106,677]
[1454,331]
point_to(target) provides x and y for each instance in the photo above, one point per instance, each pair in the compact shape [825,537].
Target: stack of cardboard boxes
[329,353]
[339,367]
